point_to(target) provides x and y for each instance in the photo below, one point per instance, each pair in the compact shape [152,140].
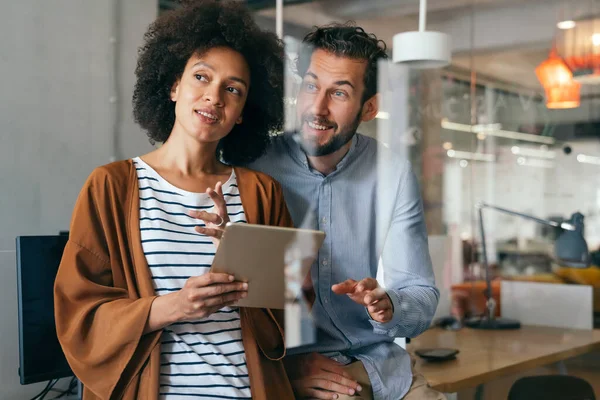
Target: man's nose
[320,104]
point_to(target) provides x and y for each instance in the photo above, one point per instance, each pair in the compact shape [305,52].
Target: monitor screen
[40,355]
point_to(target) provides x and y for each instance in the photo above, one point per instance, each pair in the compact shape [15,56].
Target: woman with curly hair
[138,314]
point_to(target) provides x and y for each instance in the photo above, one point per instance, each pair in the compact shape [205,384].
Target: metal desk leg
[562,368]
[479,392]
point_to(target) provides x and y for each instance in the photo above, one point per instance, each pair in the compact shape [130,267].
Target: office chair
[551,387]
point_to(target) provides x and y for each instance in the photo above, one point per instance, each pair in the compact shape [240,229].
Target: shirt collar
[299,155]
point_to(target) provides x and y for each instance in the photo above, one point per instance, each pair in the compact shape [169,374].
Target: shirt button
[325,262]
[323,220]
[326,300]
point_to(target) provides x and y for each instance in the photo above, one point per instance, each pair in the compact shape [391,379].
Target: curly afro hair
[193,29]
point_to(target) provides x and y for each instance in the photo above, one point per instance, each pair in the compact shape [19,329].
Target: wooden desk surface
[485,355]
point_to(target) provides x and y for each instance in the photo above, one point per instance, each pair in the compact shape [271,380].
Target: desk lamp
[570,249]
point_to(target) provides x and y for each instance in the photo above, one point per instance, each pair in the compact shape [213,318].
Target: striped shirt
[204,358]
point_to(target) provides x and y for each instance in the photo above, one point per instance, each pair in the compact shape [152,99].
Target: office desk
[486,355]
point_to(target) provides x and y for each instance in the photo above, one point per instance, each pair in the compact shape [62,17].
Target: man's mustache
[319,121]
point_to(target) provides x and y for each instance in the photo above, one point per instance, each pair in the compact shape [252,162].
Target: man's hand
[368,293]
[314,376]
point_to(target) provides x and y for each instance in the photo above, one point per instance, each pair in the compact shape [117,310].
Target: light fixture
[484,128]
[570,249]
[564,96]
[529,152]
[568,24]
[447,145]
[525,137]
[583,158]
[557,79]
[580,49]
[467,155]
[422,49]
[535,162]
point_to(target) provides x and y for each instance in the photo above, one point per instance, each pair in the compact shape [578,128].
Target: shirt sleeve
[408,272]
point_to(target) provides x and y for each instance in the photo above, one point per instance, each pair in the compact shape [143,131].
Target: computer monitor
[40,355]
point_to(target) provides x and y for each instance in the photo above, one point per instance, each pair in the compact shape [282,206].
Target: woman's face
[210,96]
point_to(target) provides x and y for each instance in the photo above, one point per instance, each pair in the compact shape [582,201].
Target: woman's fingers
[217,197]
[203,295]
[214,222]
[212,232]
[220,289]
[209,278]
[205,306]
[218,301]
[209,218]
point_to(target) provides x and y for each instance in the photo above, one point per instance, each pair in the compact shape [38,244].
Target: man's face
[329,104]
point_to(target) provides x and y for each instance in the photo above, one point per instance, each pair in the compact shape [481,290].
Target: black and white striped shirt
[204,358]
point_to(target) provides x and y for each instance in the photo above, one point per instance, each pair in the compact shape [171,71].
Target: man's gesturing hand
[368,293]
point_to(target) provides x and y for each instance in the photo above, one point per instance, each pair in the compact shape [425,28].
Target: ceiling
[253,4]
[393,8]
[516,67]
[501,40]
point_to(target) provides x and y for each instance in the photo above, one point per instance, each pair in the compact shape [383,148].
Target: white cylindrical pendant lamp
[422,49]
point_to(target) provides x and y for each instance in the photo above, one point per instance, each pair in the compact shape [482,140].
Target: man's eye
[201,78]
[234,90]
[310,87]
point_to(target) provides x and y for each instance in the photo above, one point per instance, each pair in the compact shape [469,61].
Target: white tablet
[259,255]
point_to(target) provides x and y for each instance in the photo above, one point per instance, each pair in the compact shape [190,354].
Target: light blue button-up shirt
[371,211]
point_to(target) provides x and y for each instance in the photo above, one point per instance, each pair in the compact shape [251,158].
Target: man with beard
[329,171]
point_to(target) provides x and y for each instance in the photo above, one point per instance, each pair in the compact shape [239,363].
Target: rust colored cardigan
[103,292]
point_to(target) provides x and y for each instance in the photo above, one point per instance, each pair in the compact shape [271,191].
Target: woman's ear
[370,109]
[175,90]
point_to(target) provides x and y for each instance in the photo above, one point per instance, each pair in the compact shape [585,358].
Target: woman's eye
[201,78]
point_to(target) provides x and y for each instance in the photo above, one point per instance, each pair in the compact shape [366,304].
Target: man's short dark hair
[346,40]
[193,29]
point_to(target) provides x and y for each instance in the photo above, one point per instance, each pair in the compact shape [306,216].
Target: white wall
[573,186]
[568,187]
[55,124]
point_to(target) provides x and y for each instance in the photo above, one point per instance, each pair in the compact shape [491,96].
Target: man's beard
[337,141]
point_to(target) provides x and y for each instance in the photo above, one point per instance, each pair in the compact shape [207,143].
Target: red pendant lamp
[557,79]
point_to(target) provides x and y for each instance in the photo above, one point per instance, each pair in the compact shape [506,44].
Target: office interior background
[488,127]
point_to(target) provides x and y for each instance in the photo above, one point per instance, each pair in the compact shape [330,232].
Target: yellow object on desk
[582,276]
[487,355]
[541,278]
